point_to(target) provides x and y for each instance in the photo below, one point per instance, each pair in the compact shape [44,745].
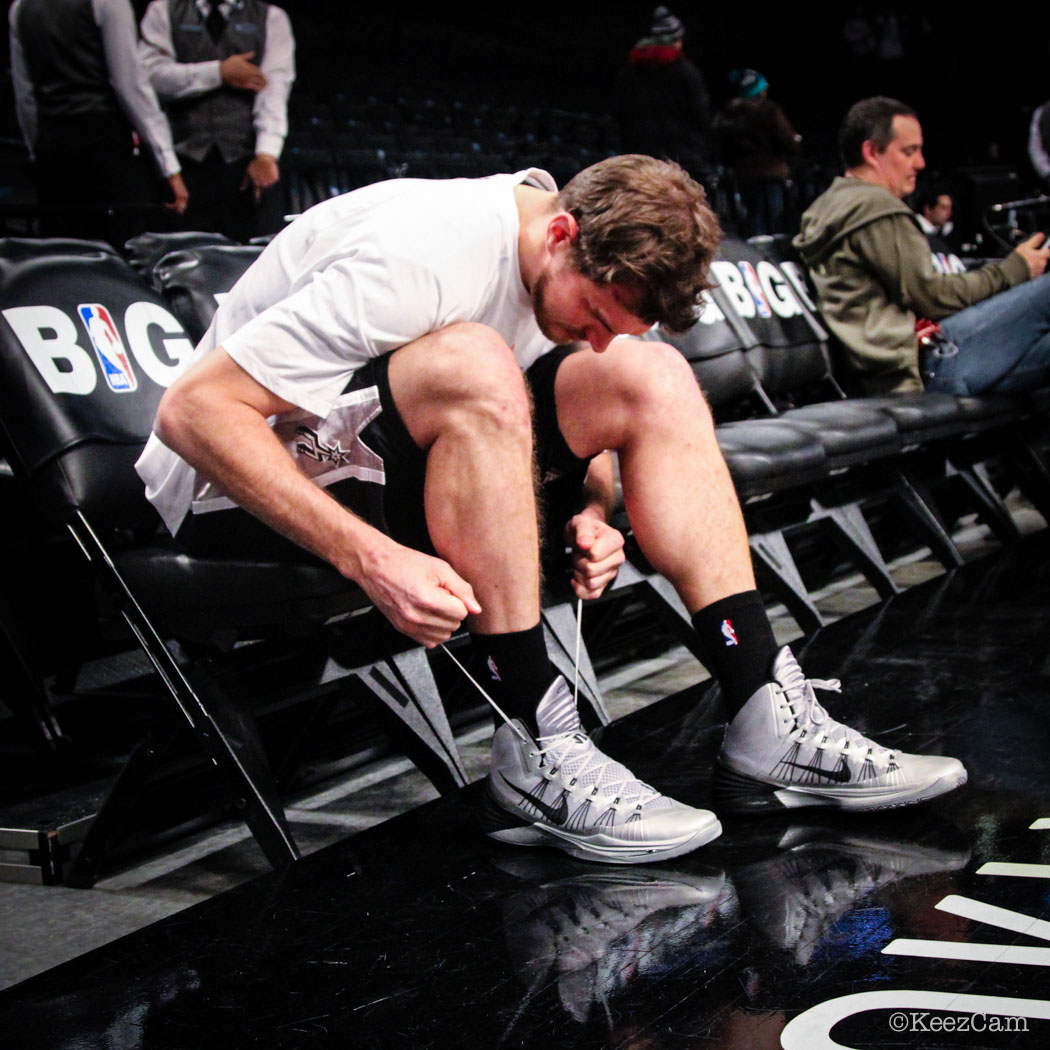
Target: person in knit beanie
[664,106]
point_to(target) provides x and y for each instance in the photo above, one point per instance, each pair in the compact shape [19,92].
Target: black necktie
[214,23]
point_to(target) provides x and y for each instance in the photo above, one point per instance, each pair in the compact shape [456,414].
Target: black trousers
[218,204]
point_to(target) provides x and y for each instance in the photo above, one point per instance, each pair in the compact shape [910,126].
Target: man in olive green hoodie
[871,265]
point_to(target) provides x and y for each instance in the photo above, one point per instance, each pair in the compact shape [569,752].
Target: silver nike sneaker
[784,751]
[560,790]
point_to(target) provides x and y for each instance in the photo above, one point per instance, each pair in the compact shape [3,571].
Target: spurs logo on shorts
[331,449]
[325,450]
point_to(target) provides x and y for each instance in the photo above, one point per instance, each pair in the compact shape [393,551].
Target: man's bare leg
[781,749]
[462,397]
[641,400]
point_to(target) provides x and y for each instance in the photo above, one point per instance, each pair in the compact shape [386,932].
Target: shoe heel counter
[754,722]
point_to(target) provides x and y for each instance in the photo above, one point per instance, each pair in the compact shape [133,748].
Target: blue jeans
[1004,343]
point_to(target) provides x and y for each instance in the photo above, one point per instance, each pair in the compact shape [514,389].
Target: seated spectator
[757,141]
[875,280]
[933,206]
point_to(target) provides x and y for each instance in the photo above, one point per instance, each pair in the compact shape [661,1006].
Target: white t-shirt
[353,278]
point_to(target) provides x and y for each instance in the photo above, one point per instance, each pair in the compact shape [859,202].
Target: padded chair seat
[192,595]
[984,411]
[849,432]
[923,417]
[765,456]
[932,415]
[145,250]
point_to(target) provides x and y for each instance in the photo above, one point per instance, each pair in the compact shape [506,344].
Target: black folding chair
[86,350]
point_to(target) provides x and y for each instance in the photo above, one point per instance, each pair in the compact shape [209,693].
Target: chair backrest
[86,351]
[194,281]
[147,249]
[791,355]
[777,247]
[715,348]
[34,247]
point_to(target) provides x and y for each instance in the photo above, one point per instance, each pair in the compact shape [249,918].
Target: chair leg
[853,534]
[663,600]
[109,821]
[913,498]
[991,506]
[24,693]
[773,560]
[404,684]
[225,733]
[1031,472]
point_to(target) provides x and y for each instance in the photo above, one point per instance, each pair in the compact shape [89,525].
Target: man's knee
[463,377]
[659,379]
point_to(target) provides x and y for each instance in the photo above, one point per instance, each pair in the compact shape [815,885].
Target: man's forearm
[598,497]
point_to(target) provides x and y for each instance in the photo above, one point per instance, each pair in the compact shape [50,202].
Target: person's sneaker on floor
[560,790]
[784,751]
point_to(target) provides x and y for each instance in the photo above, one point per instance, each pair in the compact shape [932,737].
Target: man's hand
[262,173]
[597,554]
[180,195]
[421,596]
[1032,254]
[239,71]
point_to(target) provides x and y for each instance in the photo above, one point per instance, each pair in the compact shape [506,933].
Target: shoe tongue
[788,673]
[557,712]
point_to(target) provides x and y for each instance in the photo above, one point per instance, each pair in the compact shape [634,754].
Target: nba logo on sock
[109,347]
[728,633]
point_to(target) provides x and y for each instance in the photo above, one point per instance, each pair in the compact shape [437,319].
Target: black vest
[66,64]
[221,118]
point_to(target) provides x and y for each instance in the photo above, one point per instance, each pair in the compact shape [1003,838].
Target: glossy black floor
[925,927]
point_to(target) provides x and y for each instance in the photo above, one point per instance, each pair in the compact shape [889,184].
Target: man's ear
[562,230]
[870,152]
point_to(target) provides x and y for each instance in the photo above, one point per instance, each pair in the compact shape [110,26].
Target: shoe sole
[504,826]
[740,794]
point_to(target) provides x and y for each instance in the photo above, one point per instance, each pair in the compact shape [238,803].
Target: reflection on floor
[925,927]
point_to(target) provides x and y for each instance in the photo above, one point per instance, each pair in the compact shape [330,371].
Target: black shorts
[396,507]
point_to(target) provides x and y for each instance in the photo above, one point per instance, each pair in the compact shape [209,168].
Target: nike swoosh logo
[555,814]
[841,776]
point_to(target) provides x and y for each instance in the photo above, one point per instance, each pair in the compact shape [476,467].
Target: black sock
[738,645]
[518,671]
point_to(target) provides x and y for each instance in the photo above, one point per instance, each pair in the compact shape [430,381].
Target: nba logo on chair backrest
[157,343]
[760,290]
[109,347]
[751,280]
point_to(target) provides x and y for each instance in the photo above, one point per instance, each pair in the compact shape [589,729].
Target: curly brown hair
[644,224]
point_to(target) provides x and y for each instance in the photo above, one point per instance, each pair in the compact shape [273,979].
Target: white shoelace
[580,746]
[805,707]
[492,703]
